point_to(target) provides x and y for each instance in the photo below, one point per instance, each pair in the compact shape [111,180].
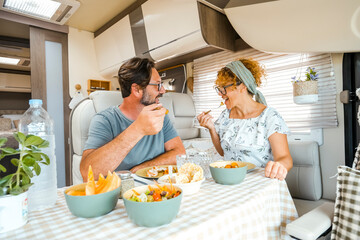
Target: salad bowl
[151,214]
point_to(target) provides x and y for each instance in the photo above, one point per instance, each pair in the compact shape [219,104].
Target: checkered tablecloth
[258,208]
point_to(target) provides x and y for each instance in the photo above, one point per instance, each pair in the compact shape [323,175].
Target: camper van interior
[68,53]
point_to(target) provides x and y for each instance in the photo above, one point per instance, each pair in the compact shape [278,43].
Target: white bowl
[187,188]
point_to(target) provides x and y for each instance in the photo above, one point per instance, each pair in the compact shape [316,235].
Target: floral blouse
[248,139]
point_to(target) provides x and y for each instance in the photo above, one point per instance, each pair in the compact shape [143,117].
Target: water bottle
[37,121]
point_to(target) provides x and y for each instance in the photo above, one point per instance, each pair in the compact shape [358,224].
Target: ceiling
[90,16]
[93,14]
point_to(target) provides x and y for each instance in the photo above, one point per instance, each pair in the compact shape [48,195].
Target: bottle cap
[35,101]
[124,174]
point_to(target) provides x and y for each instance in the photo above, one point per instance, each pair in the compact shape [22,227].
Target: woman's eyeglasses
[159,85]
[222,90]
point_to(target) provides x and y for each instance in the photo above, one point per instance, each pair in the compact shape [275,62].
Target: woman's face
[229,94]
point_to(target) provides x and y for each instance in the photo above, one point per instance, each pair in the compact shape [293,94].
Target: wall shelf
[94,85]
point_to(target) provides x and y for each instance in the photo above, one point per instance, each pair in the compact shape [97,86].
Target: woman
[248,130]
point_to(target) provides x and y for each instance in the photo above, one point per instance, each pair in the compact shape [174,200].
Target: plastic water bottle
[37,121]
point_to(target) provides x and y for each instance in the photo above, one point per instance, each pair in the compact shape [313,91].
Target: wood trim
[13,41]
[13,71]
[37,64]
[33,22]
[38,79]
[118,17]
[216,28]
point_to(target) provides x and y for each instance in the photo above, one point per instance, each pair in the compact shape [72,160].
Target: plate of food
[155,171]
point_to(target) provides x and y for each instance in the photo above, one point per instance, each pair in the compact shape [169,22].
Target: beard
[146,99]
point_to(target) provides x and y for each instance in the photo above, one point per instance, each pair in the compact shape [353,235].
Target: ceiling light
[55,11]
[11,61]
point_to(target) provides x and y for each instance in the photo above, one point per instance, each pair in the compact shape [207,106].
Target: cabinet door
[114,46]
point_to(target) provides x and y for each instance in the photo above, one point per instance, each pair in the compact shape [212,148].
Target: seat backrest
[182,113]
[304,179]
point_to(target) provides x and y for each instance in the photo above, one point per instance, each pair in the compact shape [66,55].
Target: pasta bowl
[228,176]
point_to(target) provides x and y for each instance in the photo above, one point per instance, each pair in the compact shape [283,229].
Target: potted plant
[14,186]
[306,91]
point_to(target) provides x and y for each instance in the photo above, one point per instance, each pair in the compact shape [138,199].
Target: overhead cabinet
[14,83]
[113,47]
[170,32]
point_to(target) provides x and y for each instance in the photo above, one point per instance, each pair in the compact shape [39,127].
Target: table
[258,208]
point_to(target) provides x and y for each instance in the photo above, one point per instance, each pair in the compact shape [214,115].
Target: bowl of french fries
[152,205]
[94,198]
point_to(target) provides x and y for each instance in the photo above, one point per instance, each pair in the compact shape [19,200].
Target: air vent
[54,11]
[24,63]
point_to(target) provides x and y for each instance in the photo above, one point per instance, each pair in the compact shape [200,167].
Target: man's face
[152,93]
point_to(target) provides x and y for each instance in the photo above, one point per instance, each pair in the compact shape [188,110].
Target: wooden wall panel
[38,37]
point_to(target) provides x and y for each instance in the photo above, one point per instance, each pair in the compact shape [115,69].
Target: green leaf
[37,156]
[15,162]
[26,187]
[9,150]
[28,171]
[25,179]
[3,141]
[44,144]
[2,168]
[46,157]
[34,149]
[21,137]
[5,180]
[16,190]
[33,140]
[28,160]
[37,169]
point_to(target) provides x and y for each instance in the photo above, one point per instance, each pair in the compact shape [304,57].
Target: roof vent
[54,11]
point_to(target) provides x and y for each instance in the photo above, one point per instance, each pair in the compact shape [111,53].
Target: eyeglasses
[159,85]
[222,90]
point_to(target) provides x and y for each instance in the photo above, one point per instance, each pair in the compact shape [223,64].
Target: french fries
[111,182]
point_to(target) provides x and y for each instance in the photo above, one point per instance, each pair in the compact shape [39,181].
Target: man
[137,133]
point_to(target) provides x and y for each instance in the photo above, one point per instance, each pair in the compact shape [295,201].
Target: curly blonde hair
[225,75]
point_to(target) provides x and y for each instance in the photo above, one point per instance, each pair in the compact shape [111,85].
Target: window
[277,87]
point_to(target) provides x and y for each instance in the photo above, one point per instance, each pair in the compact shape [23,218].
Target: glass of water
[202,159]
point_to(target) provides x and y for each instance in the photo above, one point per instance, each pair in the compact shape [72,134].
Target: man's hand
[151,120]
[275,170]
[205,120]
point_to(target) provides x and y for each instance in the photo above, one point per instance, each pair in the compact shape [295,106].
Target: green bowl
[151,214]
[93,205]
[228,176]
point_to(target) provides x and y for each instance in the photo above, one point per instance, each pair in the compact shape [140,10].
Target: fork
[221,104]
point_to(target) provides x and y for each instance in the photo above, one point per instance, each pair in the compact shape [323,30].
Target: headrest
[183,104]
[104,99]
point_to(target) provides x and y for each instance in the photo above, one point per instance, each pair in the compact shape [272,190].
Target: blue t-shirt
[108,124]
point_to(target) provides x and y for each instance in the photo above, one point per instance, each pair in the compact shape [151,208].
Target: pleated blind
[277,87]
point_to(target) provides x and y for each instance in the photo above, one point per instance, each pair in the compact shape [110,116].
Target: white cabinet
[114,46]
[172,27]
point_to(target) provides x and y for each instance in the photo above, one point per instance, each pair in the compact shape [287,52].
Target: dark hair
[136,70]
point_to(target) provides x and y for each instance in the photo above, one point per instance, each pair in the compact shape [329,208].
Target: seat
[80,118]
[305,186]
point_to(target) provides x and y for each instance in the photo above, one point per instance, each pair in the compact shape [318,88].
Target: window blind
[276,87]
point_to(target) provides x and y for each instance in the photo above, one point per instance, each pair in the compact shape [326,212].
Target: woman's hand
[205,120]
[275,170]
